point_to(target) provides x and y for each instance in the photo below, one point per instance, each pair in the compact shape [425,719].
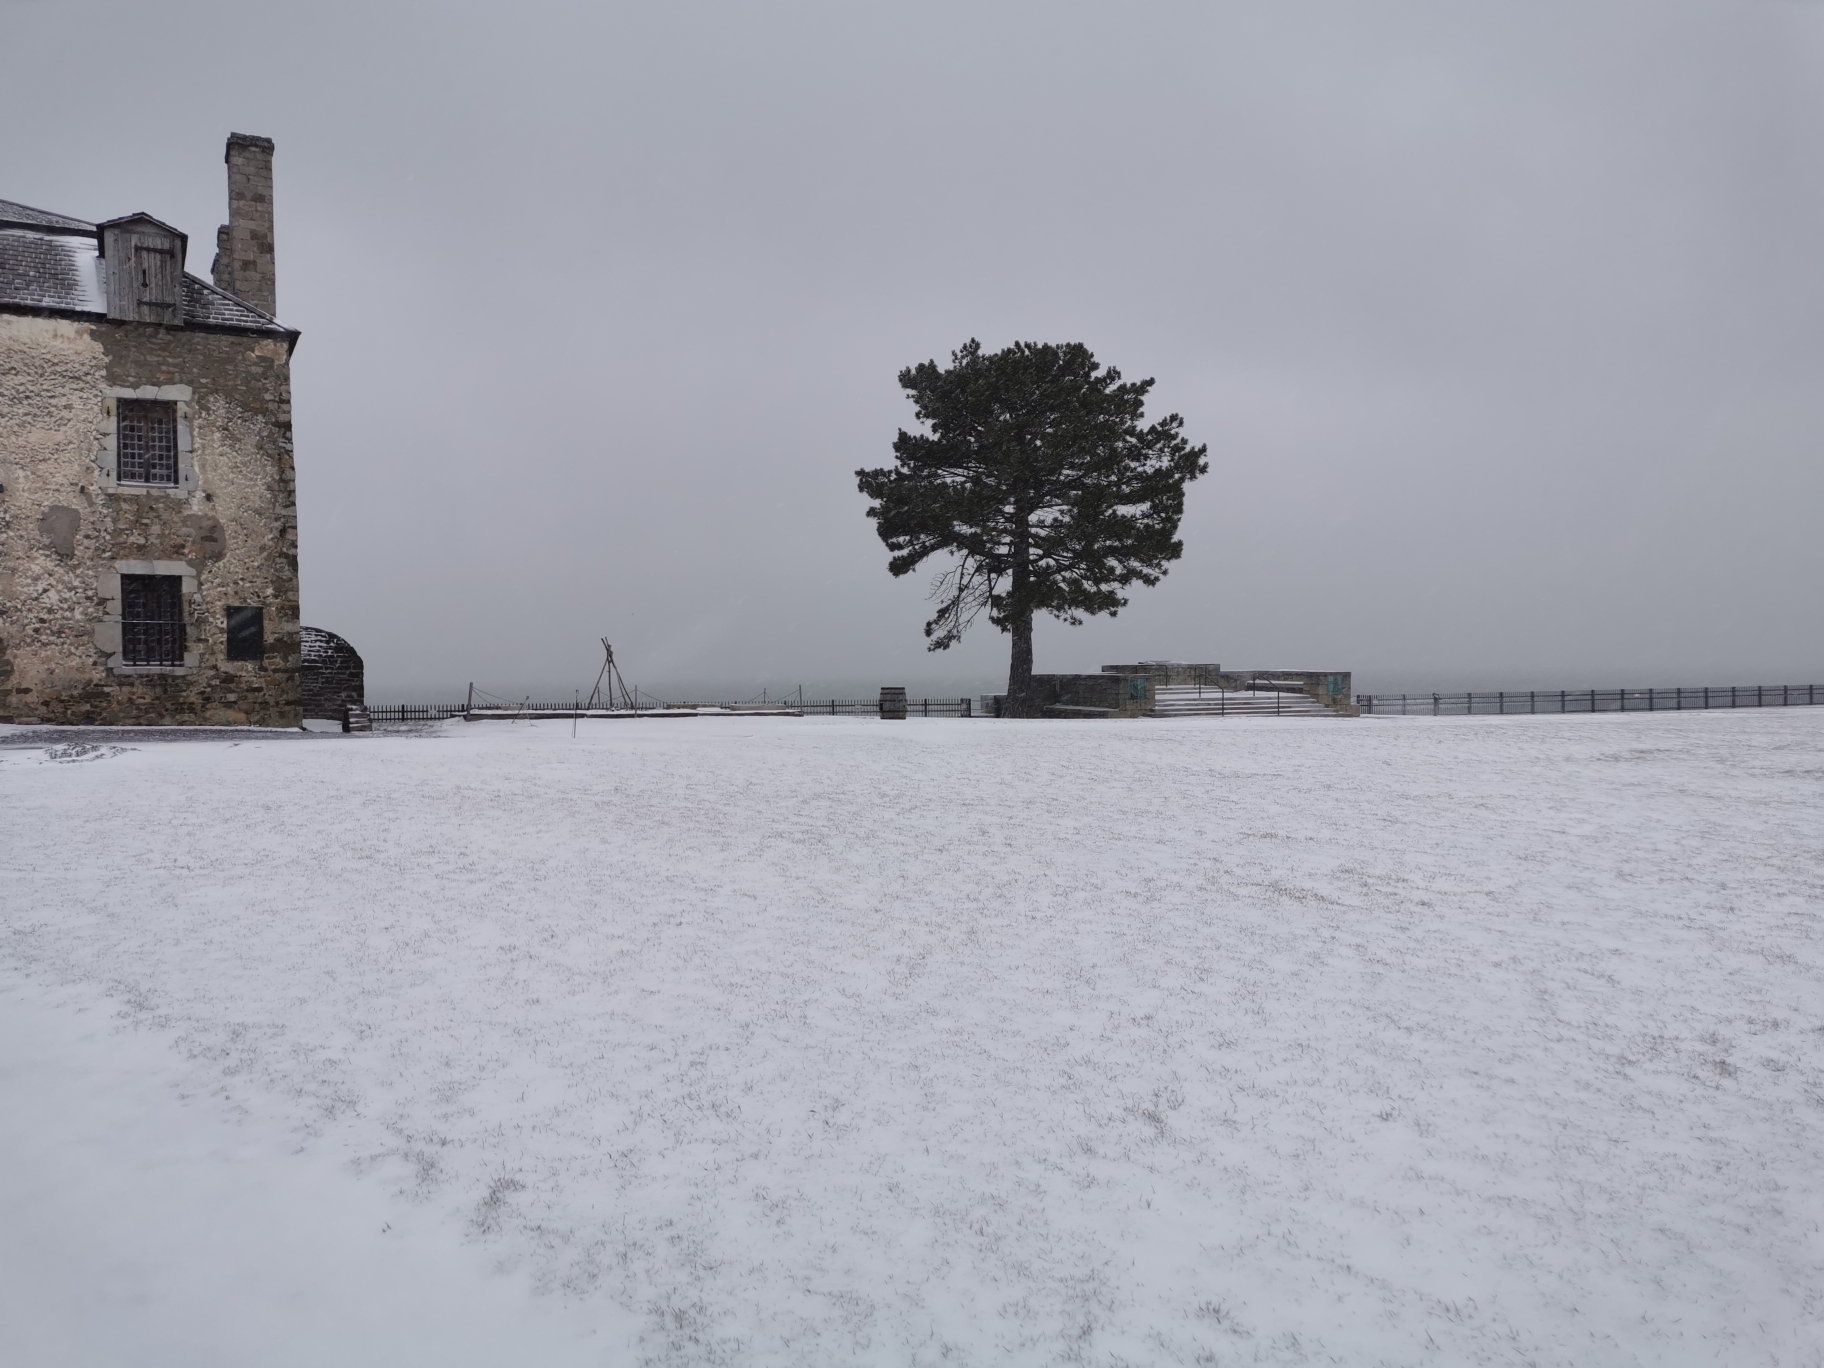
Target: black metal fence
[1594,700]
[814,707]
[870,707]
[414,712]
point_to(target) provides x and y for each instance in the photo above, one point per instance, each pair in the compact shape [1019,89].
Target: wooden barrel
[893,703]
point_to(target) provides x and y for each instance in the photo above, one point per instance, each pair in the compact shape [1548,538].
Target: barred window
[146,442]
[246,633]
[152,619]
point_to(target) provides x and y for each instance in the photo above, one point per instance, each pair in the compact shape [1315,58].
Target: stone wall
[1092,695]
[1332,688]
[1174,672]
[334,676]
[1130,690]
[67,529]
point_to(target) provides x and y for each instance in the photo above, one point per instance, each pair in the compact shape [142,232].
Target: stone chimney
[243,245]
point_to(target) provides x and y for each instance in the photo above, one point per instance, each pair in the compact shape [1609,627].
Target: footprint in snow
[75,752]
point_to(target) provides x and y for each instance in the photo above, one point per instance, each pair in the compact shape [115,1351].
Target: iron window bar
[145,442]
[152,619]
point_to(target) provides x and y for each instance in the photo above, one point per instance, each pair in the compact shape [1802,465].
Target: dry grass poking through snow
[824,1042]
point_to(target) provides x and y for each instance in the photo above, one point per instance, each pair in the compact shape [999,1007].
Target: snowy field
[828,1041]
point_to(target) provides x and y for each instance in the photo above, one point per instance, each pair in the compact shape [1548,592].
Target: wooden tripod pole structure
[609,668]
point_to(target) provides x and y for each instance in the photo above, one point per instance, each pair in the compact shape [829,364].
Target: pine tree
[1036,475]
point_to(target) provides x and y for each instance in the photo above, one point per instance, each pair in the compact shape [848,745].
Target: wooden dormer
[144,269]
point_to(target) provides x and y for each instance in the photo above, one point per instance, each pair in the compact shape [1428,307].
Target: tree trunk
[1020,702]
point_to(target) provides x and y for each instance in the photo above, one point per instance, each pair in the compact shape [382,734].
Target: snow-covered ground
[821,1041]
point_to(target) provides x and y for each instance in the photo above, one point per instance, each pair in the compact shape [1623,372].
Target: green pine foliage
[1037,475]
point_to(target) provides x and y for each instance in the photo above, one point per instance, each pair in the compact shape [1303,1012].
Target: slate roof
[49,271]
[49,261]
[23,215]
[213,308]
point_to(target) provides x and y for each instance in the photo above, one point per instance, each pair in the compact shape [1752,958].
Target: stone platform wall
[1332,688]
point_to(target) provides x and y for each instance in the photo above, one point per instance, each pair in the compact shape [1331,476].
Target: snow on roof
[49,271]
[49,261]
[212,307]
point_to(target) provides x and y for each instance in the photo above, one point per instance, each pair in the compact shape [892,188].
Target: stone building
[148,518]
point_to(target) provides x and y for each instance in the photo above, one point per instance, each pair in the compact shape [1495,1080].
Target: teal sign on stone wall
[1336,685]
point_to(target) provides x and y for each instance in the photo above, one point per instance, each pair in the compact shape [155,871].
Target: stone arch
[334,676]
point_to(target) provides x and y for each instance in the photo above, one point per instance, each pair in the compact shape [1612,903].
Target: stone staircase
[1201,700]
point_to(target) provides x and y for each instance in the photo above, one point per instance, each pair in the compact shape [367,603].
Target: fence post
[1434,705]
[1532,700]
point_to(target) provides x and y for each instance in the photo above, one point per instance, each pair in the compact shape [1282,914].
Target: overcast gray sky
[1504,323]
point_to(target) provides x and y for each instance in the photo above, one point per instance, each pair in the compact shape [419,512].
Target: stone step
[1188,700]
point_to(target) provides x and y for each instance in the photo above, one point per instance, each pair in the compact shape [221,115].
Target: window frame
[153,631]
[130,413]
[109,630]
[107,441]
